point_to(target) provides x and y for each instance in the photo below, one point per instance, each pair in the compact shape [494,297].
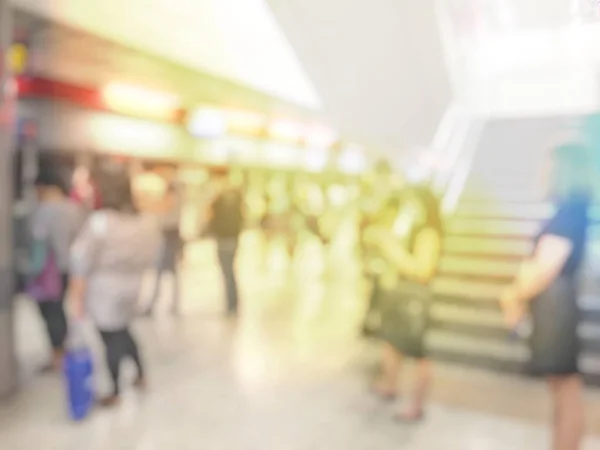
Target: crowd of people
[99,250]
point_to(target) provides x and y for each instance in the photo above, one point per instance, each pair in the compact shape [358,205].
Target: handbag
[48,284]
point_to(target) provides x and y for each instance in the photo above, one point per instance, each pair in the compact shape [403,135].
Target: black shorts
[554,342]
[405,318]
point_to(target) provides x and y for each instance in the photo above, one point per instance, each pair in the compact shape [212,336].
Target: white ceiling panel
[235,39]
[378,66]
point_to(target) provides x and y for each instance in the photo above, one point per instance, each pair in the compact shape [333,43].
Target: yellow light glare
[129,99]
[281,155]
[285,130]
[320,137]
[132,136]
[207,123]
[17,58]
[245,122]
[315,160]
[352,160]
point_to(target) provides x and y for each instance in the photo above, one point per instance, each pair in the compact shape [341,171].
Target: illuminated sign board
[134,137]
[286,130]
[137,101]
[210,122]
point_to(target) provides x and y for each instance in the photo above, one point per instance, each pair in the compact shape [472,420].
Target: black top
[570,222]
[227,219]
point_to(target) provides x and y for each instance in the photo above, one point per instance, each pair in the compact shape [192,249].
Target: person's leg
[61,324]
[56,326]
[386,384]
[416,404]
[175,292]
[134,353]
[373,306]
[170,266]
[569,416]
[554,385]
[155,291]
[113,344]
[226,252]
[160,272]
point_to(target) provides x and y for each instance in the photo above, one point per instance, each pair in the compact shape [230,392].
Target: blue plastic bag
[78,374]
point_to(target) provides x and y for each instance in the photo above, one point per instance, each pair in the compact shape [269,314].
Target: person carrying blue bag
[109,257]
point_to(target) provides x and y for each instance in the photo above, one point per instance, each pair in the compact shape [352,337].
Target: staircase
[488,233]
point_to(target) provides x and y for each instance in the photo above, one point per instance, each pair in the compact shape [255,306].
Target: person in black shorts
[410,243]
[547,286]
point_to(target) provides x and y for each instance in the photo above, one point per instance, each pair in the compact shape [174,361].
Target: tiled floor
[291,374]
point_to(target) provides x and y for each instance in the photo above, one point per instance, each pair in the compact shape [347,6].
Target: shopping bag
[78,374]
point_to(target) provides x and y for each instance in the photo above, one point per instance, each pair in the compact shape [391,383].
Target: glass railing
[453,148]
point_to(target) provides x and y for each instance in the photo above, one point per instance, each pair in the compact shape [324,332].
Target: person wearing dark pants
[109,257]
[546,290]
[226,222]
[226,250]
[172,250]
[54,226]
[120,345]
[170,257]
[55,319]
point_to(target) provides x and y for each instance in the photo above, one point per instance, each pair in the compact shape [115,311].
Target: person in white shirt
[108,259]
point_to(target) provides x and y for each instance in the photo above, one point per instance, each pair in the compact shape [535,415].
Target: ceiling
[70,55]
[516,58]
[378,65]
[495,15]
[233,39]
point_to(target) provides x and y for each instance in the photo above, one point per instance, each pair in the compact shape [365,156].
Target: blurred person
[172,247]
[83,190]
[374,264]
[226,224]
[108,259]
[295,224]
[54,226]
[409,239]
[547,286]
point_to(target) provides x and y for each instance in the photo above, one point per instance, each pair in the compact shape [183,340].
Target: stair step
[485,291]
[507,194]
[468,316]
[444,341]
[479,266]
[504,210]
[524,229]
[491,247]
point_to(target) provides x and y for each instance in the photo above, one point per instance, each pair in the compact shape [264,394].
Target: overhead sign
[138,101]
[210,122]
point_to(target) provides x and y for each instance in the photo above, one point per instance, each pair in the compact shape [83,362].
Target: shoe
[140,384]
[109,402]
[47,369]
[384,394]
[410,417]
